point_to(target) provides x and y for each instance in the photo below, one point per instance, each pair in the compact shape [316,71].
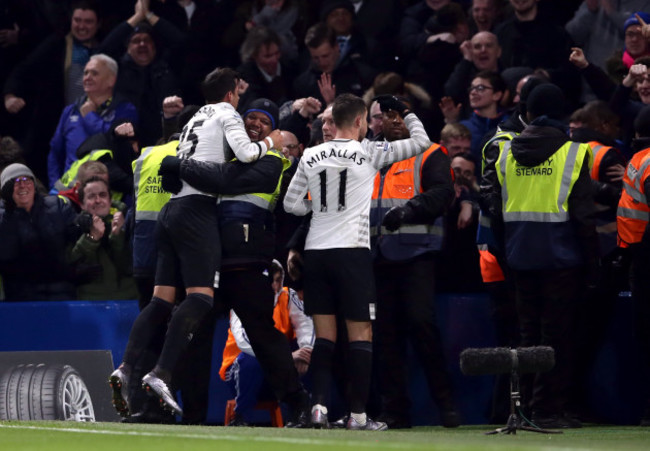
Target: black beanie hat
[331,5]
[546,100]
[267,107]
[642,122]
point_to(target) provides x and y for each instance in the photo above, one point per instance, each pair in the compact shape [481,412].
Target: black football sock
[146,326]
[321,367]
[359,367]
[180,331]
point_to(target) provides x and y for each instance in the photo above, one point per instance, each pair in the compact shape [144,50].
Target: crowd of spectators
[88,84]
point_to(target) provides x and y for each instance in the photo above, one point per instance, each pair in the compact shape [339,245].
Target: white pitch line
[290,440]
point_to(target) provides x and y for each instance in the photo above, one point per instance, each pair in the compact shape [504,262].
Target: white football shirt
[339,176]
[216,133]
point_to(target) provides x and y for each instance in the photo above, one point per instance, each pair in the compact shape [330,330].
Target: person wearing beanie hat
[14,171]
[491,256]
[636,44]
[329,6]
[36,232]
[264,111]
[545,100]
[543,218]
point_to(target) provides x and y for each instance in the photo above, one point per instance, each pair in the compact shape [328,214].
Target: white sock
[320,407]
[359,417]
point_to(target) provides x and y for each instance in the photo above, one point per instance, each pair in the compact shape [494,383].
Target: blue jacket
[479,127]
[73,129]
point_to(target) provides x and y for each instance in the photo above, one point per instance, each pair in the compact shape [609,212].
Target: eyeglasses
[479,88]
[23,179]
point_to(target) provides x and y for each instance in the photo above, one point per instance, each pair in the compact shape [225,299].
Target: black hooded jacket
[537,142]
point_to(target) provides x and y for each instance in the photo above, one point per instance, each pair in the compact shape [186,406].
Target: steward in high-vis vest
[409,200]
[149,200]
[634,234]
[547,207]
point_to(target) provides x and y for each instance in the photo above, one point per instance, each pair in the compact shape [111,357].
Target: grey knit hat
[13,171]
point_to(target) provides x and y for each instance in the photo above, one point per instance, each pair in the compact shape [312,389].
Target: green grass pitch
[66,436]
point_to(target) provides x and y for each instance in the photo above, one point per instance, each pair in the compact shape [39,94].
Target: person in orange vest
[409,200]
[633,219]
[240,368]
[597,125]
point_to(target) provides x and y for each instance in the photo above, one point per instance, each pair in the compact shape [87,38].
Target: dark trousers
[248,292]
[547,302]
[405,295]
[594,313]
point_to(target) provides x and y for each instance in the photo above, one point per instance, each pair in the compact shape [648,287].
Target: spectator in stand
[116,149]
[145,75]
[280,16]
[339,16]
[636,80]
[379,24]
[480,53]
[375,119]
[86,170]
[91,113]
[329,74]
[103,245]
[413,35]
[415,95]
[484,15]
[265,69]
[36,231]
[456,138]
[240,368]
[20,32]
[203,22]
[461,271]
[534,40]
[50,77]
[596,26]
[485,93]
[635,43]
[10,152]
[436,58]
[291,147]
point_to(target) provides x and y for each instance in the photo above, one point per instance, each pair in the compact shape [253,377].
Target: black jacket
[537,142]
[33,251]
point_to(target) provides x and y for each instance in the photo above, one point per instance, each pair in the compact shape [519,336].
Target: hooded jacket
[536,144]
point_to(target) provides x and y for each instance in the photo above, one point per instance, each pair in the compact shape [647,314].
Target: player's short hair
[346,108]
[218,83]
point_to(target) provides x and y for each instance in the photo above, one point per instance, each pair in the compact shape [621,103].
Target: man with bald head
[481,52]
